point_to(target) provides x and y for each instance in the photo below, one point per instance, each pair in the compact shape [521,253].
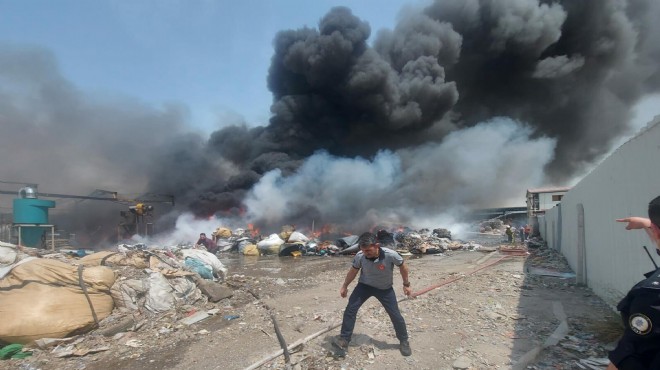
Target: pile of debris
[111,291]
[290,242]
[111,295]
[494,226]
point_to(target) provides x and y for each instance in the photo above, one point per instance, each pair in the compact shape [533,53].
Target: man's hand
[611,367]
[635,222]
[407,291]
[343,291]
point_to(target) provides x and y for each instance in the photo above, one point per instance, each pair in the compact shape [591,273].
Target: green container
[32,211]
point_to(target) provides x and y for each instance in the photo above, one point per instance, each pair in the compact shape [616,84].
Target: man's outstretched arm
[645,224]
[635,222]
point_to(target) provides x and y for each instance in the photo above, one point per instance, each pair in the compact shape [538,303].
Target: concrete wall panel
[621,186]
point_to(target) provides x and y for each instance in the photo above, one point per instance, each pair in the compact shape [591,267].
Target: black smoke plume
[569,71]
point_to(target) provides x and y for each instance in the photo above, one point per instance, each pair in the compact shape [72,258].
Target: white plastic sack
[126,293]
[4,270]
[272,239]
[209,258]
[270,245]
[298,237]
[160,297]
[185,291]
[8,254]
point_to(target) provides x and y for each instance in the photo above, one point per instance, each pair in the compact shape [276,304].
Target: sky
[284,111]
[210,56]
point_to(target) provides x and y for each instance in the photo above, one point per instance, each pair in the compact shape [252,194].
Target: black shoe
[404,348]
[340,342]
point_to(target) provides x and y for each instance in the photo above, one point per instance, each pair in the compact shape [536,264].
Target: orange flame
[325,229]
[254,231]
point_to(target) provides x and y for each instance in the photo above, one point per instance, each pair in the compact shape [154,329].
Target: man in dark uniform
[376,266]
[639,348]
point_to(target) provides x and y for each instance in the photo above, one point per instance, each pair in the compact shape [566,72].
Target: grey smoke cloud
[68,142]
[553,67]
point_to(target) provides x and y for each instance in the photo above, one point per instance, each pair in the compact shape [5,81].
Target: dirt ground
[486,312]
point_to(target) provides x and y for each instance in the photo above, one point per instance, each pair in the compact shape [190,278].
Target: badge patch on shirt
[640,324]
[381,267]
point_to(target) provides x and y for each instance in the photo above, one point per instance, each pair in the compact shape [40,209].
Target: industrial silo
[31,217]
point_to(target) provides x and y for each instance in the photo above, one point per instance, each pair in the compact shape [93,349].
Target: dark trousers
[386,297]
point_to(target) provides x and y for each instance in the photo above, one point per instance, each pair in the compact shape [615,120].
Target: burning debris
[290,242]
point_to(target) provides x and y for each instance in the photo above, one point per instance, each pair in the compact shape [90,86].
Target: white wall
[622,185]
[545,200]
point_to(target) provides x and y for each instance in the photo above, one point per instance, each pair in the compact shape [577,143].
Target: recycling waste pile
[71,304]
[290,242]
[52,297]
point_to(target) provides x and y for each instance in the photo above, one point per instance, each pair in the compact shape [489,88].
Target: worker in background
[207,243]
[509,233]
[639,348]
[528,230]
[376,266]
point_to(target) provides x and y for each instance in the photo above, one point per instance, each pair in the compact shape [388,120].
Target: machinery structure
[30,214]
[137,220]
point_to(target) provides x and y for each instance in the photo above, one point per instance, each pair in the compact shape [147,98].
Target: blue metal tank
[31,211]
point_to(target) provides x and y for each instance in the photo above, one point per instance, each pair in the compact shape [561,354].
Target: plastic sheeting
[159,296]
[208,258]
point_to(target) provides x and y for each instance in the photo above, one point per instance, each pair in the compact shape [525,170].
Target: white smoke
[186,231]
[488,165]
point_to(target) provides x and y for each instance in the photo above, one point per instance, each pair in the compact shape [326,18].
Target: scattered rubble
[162,301]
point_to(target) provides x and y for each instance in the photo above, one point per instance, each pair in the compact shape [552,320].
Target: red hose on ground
[445,282]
